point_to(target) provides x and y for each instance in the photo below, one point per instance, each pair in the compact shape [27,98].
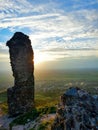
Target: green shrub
[23,119]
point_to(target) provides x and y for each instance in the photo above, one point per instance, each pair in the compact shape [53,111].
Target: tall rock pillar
[21,95]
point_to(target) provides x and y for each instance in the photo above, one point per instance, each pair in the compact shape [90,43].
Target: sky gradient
[64,33]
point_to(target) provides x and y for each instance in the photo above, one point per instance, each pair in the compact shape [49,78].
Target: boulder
[78,111]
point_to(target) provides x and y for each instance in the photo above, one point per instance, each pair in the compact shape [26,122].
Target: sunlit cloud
[55,31]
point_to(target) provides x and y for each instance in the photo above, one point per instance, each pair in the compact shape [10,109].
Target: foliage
[31,129]
[3,96]
[47,110]
[30,116]
[23,119]
[3,108]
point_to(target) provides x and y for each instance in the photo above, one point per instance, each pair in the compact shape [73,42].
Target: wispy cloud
[55,30]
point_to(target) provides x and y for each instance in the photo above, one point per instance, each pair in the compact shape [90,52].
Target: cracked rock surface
[78,110]
[21,95]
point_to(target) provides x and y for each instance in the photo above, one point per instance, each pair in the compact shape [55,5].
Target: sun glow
[40,57]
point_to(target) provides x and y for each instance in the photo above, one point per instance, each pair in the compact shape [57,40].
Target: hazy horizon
[57,65]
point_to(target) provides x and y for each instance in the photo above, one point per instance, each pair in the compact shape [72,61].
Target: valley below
[49,86]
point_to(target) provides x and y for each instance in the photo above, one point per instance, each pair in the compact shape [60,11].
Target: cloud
[3,53]
[54,30]
[3,49]
[13,8]
[87,4]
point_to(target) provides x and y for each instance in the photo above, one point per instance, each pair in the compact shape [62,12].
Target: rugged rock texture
[21,96]
[78,111]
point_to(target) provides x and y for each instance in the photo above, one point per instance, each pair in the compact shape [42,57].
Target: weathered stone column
[21,96]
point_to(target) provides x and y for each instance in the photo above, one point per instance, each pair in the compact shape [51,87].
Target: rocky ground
[78,110]
[5,121]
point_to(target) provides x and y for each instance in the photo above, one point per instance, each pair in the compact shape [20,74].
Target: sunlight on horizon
[41,57]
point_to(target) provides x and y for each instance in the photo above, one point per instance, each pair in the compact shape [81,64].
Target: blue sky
[60,30]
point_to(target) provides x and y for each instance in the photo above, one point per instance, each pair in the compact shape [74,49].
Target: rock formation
[21,96]
[78,110]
